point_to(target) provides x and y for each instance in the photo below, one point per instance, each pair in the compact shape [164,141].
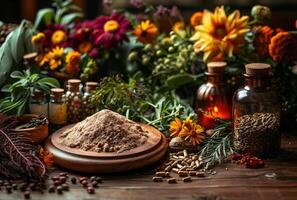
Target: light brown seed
[185,152]
[175,170]
[175,157]
[171,180]
[183,173]
[175,163]
[181,157]
[179,166]
[168,168]
[157,179]
[187,179]
[167,174]
[192,173]
[200,174]
[189,169]
[180,153]
[160,174]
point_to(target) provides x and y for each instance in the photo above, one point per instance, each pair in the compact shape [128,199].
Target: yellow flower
[38,39]
[111,26]
[146,31]
[85,47]
[58,37]
[193,132]
[196,19]
[175,127]
[55,57]
[178,26]
[73,61]
[220,34]
[42,59]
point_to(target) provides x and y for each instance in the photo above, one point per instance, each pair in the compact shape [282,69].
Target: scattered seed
[183,173]
[160,174]
[95,184]
[185,153]
[157,179]
[90,190]
[14,186]
[60,190]
[52,189]
[8,189]
[99,179]
[73,180]
[187,179]
[27,195]
[167,169]
[200,174]
[192,173]
[65,187]
[85,183]
[171,180]
[175,170]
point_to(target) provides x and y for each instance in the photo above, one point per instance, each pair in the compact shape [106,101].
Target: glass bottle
[38,104]
[212,98]
[74,101]
[88,108]
[57,108]
[256,113]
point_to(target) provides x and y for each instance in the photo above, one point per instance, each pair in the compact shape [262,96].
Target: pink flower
[111,30]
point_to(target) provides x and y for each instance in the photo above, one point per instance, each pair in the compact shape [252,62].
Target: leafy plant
[125,98]
[218,146]
[64,13]
[20,90]
[16,45]
[17,157]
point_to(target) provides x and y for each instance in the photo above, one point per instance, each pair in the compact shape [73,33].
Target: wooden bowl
[93,162]
[36,134]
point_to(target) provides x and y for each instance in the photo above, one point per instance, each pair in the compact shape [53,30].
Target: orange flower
[283,47]
[193,132]
[41,60]
[58,37]
[48,158]
[146,31]
[196,19]
[175,127]
[85,47]
[178,26]
[73,61]
[262,40]
[54,57]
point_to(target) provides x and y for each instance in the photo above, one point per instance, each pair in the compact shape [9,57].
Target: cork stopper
[216,67]
[30,57]
[90,86]
[258,69]
[57,93]
[37,94]
[74,84]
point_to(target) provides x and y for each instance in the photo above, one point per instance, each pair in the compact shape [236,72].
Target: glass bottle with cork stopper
[74,101]
[256,113]
[88,108]
[213,99]
[38,104]
[57,108]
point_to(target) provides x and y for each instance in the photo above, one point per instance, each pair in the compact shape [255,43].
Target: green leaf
[178,80]
[49,81]
[17,74]
[6,88]
[46,14]
[69,18]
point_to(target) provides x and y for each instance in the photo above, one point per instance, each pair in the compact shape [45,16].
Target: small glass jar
[57,107]
[213,99]
[74,101]
[38,104]
[88,107]
[256,113]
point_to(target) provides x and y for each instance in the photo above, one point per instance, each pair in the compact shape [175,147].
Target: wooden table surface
[230,182]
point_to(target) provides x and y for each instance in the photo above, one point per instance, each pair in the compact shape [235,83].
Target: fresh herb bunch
[18,157]
[21,90]
[218,146]
[165,110]
[115,94]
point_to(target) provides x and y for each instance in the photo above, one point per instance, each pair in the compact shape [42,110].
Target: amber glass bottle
[256,113]
[213,97]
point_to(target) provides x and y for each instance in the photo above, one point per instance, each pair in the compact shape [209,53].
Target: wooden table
[230,182]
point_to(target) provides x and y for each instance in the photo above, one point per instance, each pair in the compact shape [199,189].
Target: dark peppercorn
[73,180]
[60,190]
[14,186]
[27,195]
[23,187]
[51,189]
[1,183]
[90,190]
[95,184]
[32,186]
[65,187]
[8,189]
[63,179]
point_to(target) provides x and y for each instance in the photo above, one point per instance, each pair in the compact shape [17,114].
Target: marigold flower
[55,57]
[58,37]
[41,60]
[146,31]
[72,62]
[38,38]
[196,19]
[283,47]
[178,26]
[85,47]
[219,33]
[48,158]
[192,132]
[262,40]
[175,127]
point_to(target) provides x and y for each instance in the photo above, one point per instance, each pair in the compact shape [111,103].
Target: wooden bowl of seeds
[33,126]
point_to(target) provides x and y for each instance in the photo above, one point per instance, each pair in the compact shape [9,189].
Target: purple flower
[111,30]
[137,3]
[161,11]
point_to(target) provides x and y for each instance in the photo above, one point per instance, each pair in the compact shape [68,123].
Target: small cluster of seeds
[184,165]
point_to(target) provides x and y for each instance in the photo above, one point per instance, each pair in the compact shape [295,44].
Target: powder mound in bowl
[105,131]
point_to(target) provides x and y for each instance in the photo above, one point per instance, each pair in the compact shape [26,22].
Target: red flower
[262,40]
[111,30]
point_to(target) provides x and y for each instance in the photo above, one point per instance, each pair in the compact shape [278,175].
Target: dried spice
[248,160]
[257,133]
[105,131]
